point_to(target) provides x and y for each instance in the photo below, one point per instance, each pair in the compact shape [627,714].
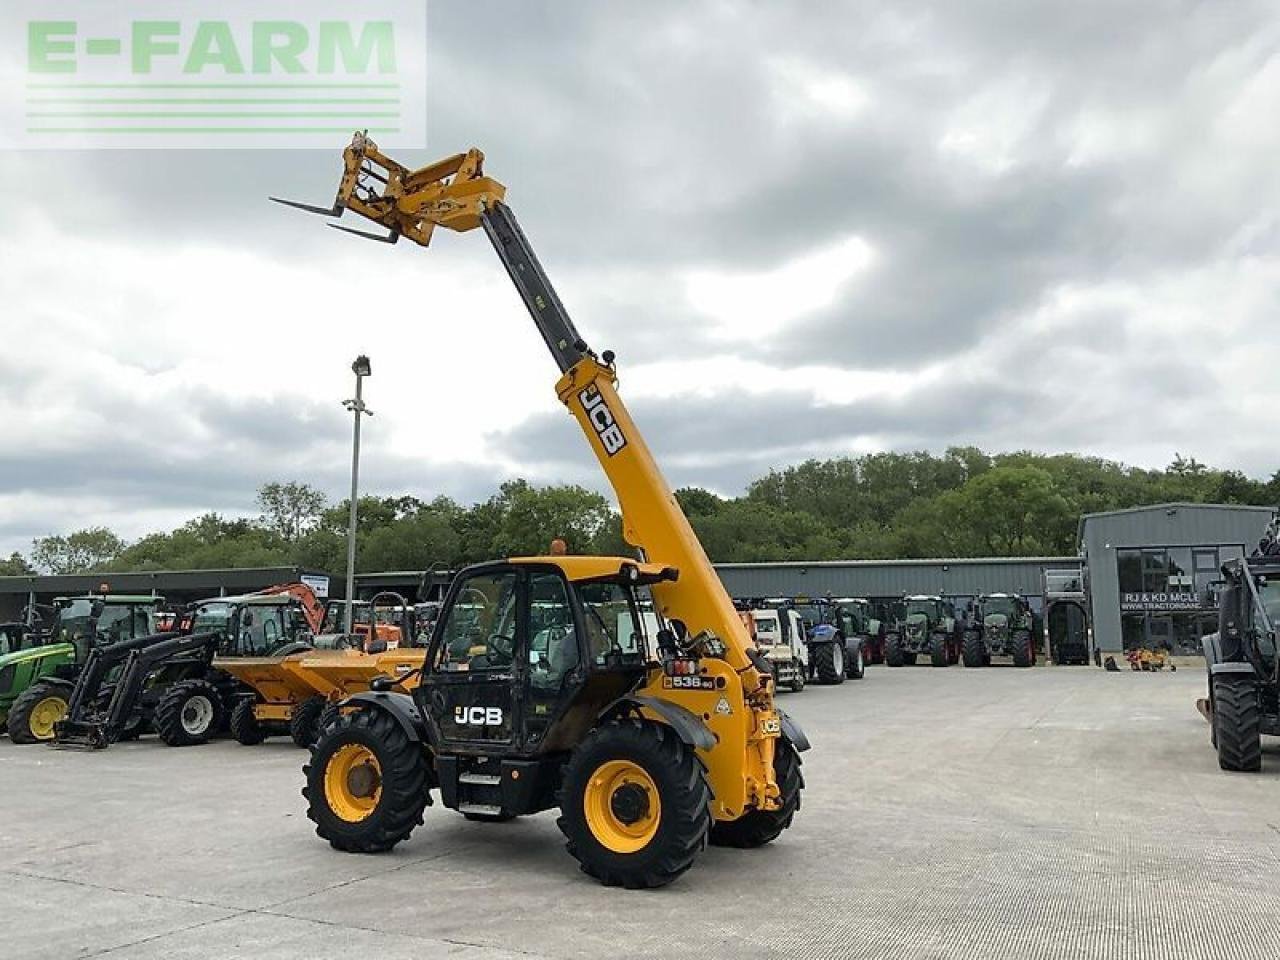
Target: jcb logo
[478,716]
[601,418]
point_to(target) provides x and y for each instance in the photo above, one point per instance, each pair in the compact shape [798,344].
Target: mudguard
[1211,644]
[791,730]
[1221,669]
[687,724]
[400,706]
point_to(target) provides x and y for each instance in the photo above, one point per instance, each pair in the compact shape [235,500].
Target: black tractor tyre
[797,680]
[188,713]
[680,782]
[939,654]
[759,827]
[328,717]
[20,712]
[893,654]
[1237,723]
[855,667]
[402,783]
[828,662]
[1023,655]
[245,727]
[973,651]
[304,725]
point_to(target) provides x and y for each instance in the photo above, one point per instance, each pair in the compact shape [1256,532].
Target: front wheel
[188,713]
[635,807]
[857,664]
[36,710]
[304,725]
[367,783]
[758,827]
[1023,654]
[828,662]
[1237,724]
[973,652]
[939,652]
[893,655]
[245,727]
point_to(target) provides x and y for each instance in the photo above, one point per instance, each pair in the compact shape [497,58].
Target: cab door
[470,694]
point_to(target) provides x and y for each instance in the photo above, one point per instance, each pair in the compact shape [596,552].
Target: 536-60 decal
[689,683]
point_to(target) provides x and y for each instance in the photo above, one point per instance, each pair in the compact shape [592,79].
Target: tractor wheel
[828,662]
[304,725]
[367,783]
[939,655]
[635,807]
[893,655]
[188,713]
[36,710]
[758,827]
[1237,724]
[973,649]
[855,666]
[328,717]
[797,680]
[1023,654]
[245,726]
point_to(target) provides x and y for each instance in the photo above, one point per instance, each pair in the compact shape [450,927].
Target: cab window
[614,626]
[480,632]
[553,639]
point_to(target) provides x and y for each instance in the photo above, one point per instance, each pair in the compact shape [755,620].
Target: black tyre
[893,654]
[828,662]
[973,652]
[797,678]
[36,710]
[188,713]
[939,655]
[245,726]
[1023,655]
[1237,724]
[304,725]
[328,717]
[367,783]
[855,664]
[759,827]
[635,807]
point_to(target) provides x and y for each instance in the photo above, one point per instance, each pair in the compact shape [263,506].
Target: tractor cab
[253,625]
[89,621]
[387,618]
[14,637]
[526,652]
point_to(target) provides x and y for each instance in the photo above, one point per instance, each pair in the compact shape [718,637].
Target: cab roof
[114,598]
[577,569]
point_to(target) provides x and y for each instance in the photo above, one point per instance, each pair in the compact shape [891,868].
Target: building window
[1129,567]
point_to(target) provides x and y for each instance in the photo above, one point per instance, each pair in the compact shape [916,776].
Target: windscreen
[616,631]
[1003,605]
[928,608]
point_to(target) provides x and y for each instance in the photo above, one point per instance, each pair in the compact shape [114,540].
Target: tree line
[961,503]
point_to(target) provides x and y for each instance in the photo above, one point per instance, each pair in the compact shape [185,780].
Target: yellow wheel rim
[353,782]
[622,806]
[45,714]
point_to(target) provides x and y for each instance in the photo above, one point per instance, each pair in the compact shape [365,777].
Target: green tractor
[923,625]
[37,679]
[1002,625]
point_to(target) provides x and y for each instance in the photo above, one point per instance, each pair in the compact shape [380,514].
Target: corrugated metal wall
[891,578]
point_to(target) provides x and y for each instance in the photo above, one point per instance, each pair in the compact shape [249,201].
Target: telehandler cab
[541,687]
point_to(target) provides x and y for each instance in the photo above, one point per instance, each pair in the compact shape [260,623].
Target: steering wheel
[502,646]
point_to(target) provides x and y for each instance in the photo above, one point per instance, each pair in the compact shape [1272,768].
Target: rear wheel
[188,713]
[758,827]
[36,710]
[635,807]
[245,726]
[367,783]
[893,655]
[797,678]
[828,662]
[939,655]
[1237,724]
[304,725]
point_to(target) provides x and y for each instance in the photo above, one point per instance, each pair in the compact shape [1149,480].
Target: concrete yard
[949,813]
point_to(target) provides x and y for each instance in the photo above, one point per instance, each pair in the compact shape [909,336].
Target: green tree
[81,552]
[16,566]
[290,509]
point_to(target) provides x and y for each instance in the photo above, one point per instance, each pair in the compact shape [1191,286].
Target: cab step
[481,779]
[480,809]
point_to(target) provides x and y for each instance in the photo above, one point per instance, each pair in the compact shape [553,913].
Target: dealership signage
[1158,602]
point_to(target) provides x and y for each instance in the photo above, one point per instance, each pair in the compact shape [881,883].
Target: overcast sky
[805,229]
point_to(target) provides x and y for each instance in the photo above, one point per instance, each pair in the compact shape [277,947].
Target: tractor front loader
[543,685]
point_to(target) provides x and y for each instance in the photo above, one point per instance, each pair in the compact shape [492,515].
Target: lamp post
[361,369]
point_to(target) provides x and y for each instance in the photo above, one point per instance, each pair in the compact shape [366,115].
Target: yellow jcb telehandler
[544,684]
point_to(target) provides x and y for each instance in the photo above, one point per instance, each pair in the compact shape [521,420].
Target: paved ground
[999,813]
